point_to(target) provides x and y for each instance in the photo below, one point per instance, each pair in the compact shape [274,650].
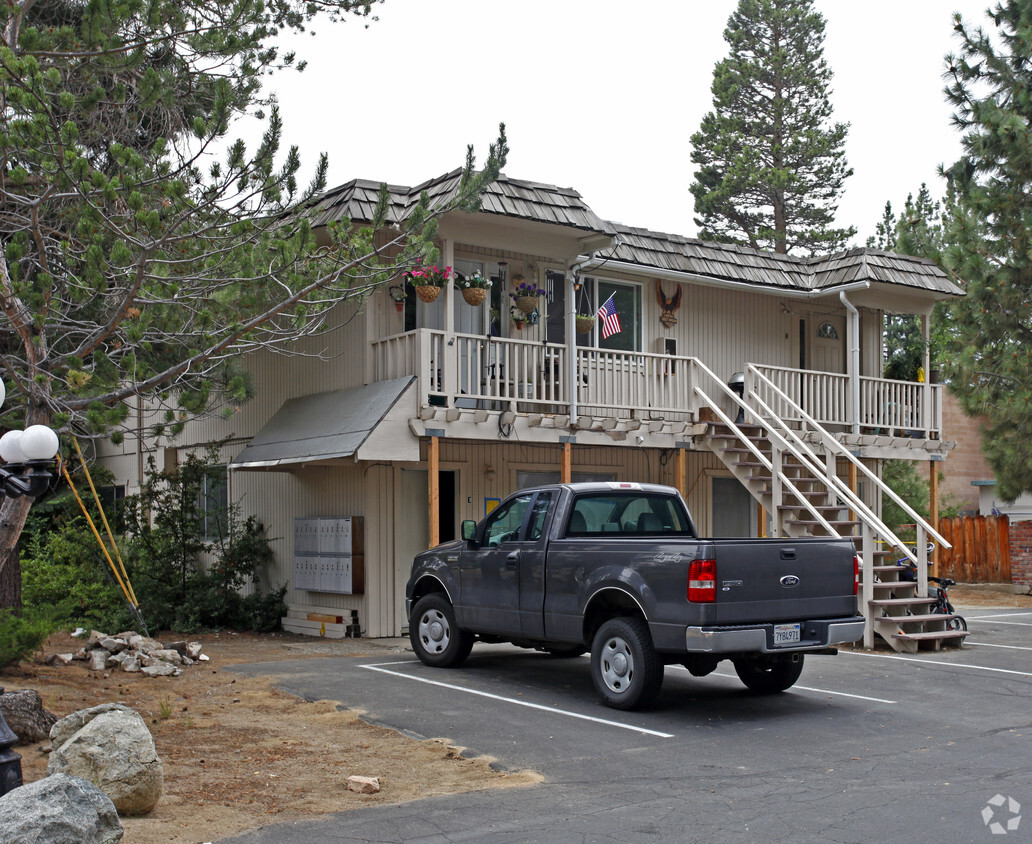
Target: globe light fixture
[29,458]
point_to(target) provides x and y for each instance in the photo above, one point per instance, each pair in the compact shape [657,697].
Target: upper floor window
[627,303]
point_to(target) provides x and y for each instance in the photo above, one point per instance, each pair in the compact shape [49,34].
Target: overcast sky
[603,96]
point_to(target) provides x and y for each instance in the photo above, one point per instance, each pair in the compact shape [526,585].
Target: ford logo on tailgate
[789,580]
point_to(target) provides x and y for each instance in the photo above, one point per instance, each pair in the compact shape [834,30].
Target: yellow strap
[103,518]
[96,533]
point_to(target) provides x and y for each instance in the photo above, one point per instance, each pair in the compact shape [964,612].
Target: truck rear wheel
[436,638]
[767,676]
[625,669]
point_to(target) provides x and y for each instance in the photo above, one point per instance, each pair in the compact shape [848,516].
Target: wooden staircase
[799,487]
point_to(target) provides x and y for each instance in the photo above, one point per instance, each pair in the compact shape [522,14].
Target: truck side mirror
[469,530]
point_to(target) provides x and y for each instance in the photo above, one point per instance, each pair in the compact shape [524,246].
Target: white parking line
[551,709]
[939,663]
[1001,615]
[988,645]
[819,691]
[993,619]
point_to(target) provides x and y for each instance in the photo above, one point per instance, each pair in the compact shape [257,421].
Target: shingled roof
[743,264]
[644,248]
[504,197]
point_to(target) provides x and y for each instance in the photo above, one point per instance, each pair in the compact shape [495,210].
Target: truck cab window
[537,516]
[505,522]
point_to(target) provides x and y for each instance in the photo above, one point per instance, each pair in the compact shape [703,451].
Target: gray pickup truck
[618,569]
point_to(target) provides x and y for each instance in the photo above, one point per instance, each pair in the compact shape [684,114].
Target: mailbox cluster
[328,555]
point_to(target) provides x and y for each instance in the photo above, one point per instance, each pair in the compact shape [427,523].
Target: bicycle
[938,588]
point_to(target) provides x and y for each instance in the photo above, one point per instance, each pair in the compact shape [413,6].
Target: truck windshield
[636,514]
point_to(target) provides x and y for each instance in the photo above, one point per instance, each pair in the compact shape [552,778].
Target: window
[827,331]
[609,513]
[504,523]
[213,503]
[537,516]
[627,298]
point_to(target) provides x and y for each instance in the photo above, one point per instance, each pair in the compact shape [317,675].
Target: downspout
[571,328]
[854,357]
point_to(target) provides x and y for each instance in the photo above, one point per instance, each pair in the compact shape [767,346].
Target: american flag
[610,321]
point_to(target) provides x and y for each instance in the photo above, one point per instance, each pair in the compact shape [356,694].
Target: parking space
[866,744]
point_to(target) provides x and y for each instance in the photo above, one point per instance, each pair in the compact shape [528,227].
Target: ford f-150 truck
[618,569]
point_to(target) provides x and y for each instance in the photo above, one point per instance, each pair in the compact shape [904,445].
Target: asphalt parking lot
[867,746]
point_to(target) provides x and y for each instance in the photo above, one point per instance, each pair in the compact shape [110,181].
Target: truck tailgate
[790,579]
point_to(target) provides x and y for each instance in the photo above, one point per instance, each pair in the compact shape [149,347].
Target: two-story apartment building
[408,417]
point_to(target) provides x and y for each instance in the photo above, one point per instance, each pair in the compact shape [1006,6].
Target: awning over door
[323,426]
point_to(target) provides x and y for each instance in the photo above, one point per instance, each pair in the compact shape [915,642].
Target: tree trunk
[13,513]
[24,713]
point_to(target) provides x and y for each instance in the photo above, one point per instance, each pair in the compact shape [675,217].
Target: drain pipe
[854,357]
[571,322]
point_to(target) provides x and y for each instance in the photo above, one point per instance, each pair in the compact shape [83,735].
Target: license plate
[786,634]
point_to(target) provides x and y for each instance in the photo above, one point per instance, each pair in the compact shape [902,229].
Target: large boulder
[58,810]
[110,746]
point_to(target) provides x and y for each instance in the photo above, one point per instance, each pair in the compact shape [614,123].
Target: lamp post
[29,458]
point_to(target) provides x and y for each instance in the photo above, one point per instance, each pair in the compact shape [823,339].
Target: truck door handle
[788,553]
[512,559]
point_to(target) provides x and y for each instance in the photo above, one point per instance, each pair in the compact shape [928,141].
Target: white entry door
[828,343]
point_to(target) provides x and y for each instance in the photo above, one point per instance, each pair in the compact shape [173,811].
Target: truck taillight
[702,581]
[856,574]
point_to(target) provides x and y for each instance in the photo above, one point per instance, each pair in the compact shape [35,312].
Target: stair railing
[776,474]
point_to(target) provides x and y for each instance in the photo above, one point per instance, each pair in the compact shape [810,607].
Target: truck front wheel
[436,638]
[767,676]
[625,669]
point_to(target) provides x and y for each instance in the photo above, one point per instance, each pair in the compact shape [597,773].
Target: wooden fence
[981,549]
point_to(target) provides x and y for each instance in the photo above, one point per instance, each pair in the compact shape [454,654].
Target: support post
[681,472]
[852,487]
[933,509]
[566,472]
[434,490]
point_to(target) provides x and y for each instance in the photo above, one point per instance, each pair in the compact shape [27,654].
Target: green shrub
[62,565]
[23,634]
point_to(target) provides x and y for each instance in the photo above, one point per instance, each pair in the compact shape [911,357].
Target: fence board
[981,549]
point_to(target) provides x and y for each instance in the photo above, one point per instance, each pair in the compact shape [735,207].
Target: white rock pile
[134,653]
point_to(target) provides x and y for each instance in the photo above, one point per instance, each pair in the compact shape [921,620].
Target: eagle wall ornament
[668,305]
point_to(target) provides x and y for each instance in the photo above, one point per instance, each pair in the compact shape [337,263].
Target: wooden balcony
[466,371]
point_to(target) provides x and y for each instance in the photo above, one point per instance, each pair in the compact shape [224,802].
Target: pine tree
[134,260]
[770,162]
[919,231]
[990,236]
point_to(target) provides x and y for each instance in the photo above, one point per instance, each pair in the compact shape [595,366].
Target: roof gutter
[588,262]
[695,278]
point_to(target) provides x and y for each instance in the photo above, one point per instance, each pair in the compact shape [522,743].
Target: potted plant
[474,287]
[584,323]
[518,317]
[428,281]
[525,295]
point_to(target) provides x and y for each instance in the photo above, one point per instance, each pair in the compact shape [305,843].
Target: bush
[22,635]
[186,583]
[63,566]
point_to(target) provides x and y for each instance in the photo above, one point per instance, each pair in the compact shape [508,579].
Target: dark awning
[322,426]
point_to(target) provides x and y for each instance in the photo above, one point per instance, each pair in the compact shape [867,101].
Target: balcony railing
[474,371]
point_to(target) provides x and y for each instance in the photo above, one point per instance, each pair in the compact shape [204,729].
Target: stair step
[898,620]
[832,522]
[929,637]
[901,602]
[894,584]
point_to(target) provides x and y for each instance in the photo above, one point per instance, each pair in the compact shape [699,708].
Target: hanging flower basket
[584,324]
[527,304]
[474,295]
[427,292]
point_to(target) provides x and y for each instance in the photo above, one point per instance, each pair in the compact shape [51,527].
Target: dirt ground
[239,754]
